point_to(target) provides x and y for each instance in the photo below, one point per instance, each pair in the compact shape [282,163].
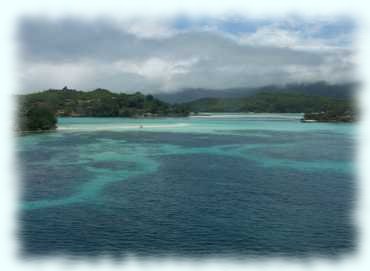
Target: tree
[38,117]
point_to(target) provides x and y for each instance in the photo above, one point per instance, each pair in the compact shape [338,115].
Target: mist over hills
[345,90]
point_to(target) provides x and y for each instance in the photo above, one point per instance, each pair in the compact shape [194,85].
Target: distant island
[39,111]
[272,102]
[315,108]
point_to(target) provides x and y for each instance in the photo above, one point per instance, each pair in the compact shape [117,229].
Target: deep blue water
[213,187]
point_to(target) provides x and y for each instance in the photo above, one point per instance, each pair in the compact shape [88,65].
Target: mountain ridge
[321,88]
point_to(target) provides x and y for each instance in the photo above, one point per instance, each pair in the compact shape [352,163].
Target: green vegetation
[271,102]
[345,90]
[102,103]
[37,117]
[38,110]
[329,116]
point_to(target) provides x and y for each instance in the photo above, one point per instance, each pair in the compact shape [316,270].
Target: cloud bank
[152,55]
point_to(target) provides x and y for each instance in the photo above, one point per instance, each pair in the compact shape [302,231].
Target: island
[39,111]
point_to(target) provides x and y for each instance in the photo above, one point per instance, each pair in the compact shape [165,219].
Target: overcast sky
[153,55]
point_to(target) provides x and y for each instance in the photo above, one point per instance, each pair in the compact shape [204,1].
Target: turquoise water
[250,184]
[214,123]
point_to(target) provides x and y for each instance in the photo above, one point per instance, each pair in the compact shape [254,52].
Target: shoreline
[206,115]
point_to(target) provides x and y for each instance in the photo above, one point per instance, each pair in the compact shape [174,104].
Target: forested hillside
[38,111]
[345,90]
[272,103]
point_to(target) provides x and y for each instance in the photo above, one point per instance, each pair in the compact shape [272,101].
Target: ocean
[217,185]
